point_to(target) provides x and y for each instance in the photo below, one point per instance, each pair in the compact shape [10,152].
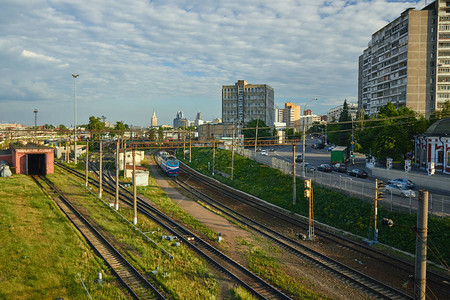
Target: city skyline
[136,57]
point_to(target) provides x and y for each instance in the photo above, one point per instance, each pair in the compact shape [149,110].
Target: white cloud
[136,55]
[39,57]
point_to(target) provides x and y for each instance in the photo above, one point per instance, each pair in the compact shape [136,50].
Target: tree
[161,134]
[340,133]
[95,126]
[264,132]
[120,127]
[391,133]
[152,134]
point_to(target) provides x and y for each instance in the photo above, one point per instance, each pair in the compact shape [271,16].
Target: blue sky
[135,57]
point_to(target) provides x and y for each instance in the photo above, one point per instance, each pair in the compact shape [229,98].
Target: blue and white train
[168,163]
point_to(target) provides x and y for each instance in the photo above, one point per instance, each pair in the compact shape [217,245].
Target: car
[258,150]
[299,158]
[324,168]
[320,146]
[308,166]
[403,181]
[342,168]
[358,173]
[399,189]
[264,152]
[313,146]
[271,149]
[330,148]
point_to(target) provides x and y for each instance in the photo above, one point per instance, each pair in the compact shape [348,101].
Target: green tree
[340,133]
[249,131]
[152,134]
[120,128]
[391,133]
[160,134]
[95,127]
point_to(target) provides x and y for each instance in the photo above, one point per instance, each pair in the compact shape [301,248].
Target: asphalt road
[322,156]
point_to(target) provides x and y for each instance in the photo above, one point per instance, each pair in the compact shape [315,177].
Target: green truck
[339,155]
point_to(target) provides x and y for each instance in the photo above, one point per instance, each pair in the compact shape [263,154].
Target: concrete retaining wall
[433,181]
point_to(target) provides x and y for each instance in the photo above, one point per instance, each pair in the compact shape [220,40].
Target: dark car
[320,146]
[299,158]
[342,168]
[403,181]
[358,173]
[324,168]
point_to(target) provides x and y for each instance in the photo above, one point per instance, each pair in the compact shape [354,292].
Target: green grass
[330,207]
[41,253]
[188,276]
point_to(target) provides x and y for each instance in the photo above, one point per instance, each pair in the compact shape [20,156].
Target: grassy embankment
[42,256]
[187,276]
[330,207]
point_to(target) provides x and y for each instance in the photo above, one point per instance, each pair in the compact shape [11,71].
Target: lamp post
[304,135]
[75,113]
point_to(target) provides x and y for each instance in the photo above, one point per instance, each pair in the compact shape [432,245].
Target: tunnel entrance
[36,164]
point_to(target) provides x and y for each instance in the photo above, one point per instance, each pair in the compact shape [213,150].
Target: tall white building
[334,113]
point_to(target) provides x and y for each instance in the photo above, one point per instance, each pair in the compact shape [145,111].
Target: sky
[136,57]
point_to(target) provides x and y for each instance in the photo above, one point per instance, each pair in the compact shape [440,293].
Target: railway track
[439,282]
[253,283]
[365,282]
[131,279]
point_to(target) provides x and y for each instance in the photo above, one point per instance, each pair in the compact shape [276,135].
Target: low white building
[139,156]
[434,147]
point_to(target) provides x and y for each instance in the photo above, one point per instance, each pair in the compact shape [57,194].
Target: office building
[180,120]
[243,102]
[407,62]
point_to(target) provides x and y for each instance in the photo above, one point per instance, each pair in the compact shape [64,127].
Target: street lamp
[75,112]
[304,134]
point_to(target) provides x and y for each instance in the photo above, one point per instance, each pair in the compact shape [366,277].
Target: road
[357,186]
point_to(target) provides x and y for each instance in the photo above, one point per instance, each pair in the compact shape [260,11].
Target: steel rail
[363,281]
[132,279]
[256,203]
[256,285]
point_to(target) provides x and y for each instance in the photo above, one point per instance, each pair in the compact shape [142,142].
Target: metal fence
[438,204]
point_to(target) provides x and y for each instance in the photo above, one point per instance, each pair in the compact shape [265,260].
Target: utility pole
[420,265]
[134,189]
[190,147]
[75,113]
[214,155]
[100,188]
[116,204]
[184,146]
[294,175]
[124,158]
[87,163]
[232,154]
[256,137]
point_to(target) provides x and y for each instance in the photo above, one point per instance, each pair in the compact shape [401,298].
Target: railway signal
[309,195]
[387,222]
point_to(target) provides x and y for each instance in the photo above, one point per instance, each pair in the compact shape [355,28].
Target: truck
[339,155]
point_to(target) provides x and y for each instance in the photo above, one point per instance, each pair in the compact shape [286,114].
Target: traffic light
[307,192]
[387,222]
[380,196]
[308,184]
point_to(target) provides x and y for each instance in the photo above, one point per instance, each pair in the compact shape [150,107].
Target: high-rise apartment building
[334,114]
[407,62]
[180,120]
[243,102]
[291,114]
